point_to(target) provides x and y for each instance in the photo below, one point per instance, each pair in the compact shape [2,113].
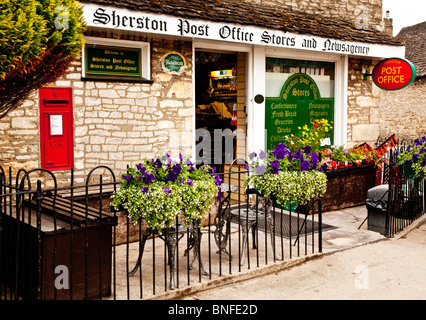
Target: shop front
[212,83]
[253,85]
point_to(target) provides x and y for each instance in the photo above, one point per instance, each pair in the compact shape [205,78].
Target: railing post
[320,224]
[39,199]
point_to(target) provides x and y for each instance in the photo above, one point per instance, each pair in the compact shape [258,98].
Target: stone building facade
[117,123]
[402,112]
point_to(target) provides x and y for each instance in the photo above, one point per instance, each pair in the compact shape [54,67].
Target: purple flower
[149,178]
[128,178]
[158,163]
[304,165]
[423,164]
[262,155]
[191,169]
[323,167]
[314,160]
[172,176]
[260,169]
[218,197]
[144,189]
[416,157]
[218,181]
[190,182]
[180,157]
[280,151]
[252,155]
[141,168]
[188,162]
[307,149]
[166,158]
[246,166]
[275,166]
[167,190]
[182,180]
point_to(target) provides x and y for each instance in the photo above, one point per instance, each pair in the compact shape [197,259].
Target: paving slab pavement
[356,264]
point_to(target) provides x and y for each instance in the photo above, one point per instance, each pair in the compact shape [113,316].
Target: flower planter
[348,187]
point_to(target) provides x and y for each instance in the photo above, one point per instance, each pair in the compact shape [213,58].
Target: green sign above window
[299,103]
[113,61]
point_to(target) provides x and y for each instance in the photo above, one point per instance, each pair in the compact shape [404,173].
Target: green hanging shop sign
[112,61]
[299,103]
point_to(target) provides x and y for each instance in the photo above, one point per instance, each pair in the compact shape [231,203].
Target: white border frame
[143,46]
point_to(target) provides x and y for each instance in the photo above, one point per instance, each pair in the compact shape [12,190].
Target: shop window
[297,93]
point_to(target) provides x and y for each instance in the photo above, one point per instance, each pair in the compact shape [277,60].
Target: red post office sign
[56,128]
[394,73]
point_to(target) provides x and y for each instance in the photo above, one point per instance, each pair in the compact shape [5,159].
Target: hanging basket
[408,171]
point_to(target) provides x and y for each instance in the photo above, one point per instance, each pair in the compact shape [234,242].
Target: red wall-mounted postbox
[56,128]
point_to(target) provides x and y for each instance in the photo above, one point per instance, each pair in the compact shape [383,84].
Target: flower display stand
[171,237]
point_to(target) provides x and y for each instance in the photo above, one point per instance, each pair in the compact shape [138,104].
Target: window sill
[116,79]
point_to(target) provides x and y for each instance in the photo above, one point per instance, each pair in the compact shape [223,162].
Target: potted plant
[413,159]
[316,135]
[340,155]
[286,176]
[160,190]
[356,158]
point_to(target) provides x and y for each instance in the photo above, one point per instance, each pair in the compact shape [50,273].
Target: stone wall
[115,124]
[344,9]
[402,112]
[363,106]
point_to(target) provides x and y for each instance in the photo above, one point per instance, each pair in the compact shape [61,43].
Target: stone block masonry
[363,111]
[348,10]
[403,112]
[115,123]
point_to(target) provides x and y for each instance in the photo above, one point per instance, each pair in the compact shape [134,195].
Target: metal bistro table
[171,237]
[247,218]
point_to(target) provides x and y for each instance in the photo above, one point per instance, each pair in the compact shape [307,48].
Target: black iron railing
[405,201]
[67,243]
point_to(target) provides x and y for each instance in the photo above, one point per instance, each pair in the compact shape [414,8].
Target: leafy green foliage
[38,42]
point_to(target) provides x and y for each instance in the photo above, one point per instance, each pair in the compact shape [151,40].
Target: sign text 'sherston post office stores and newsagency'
[123,19]
[299,103]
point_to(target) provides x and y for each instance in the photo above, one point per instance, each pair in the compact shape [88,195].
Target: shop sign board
[393,73]
[299,103]
[173,62]
[130,20]
[112,61]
